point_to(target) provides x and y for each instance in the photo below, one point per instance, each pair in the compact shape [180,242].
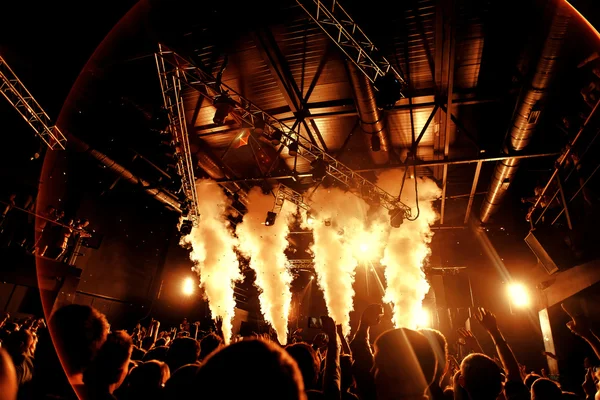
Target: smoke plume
[408,248]
[265,245]
[213,254]
[342,240]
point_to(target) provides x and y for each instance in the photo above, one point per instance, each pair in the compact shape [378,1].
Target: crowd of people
[400,364]
[56,236]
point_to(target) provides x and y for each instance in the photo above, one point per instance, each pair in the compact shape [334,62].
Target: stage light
[364,247]
[259,125]
[319,169]
[188,286]
[396,217]
[186,227]
[224,106]
[375,142]
[519,295]
[389,91]
[423,318]
[276,136]
[293,149]
[271,217]
[312,277]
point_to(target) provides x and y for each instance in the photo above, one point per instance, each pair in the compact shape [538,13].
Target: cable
[416,192]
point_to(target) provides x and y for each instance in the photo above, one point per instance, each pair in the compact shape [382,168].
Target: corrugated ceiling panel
[335,130]
[400,129]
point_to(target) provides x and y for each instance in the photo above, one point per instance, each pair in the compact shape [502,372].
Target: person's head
[147,380]
[147,343]
[481,377]
[182,351]
[209,344]
[545,389]
[20,343]
[266,372]
[157,353]
[182,382]
[8,377]
[137,354]
[439,345]
[529,379]
[308,363]
[160,342]
[110,366]
[78,332]
[404,364]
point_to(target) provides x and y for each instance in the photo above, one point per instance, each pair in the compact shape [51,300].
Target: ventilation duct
[124,173]
[527,112]
[371,119]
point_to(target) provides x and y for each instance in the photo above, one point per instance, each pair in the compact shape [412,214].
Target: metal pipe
[123,172]
[528,110]
[372,120]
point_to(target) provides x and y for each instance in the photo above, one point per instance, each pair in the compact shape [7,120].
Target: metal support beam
[170,83]
[248,112]
[563,200]
[473,189]
[19,97]
[331,17]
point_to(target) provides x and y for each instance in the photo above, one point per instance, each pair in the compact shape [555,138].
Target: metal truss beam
[19,97]
[244,110]
[284,194]
[170,83]
[331,17]
[418,163]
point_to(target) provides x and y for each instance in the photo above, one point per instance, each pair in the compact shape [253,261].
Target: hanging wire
[416,191]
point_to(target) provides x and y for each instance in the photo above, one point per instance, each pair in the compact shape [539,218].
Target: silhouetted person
[308,362]
[481,377]
[209,344]
[8,377]
[545,389]
[147,381]
[108,369]
[266,372]
[182,351]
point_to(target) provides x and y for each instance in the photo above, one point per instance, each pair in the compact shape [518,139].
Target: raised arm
[362,352]
[508,359]
[345,345]
[580,326]
[332,377]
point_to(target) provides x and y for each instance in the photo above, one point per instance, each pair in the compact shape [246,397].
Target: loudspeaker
[553,248]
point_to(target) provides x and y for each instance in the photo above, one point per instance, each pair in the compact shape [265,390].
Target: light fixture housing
[276,136]
[293,149]
[375,142]
[271,217]
[186,227]
[396,217]
[224,105]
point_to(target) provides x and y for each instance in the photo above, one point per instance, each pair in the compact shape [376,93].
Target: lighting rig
[285,193]
[182,70]
[170,83]
[19,97]
[336,23]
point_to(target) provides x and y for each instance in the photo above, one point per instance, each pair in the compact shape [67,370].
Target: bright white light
[312,277]
[423,318]
[364,247]
[519,295]
[188,286]
[310,221]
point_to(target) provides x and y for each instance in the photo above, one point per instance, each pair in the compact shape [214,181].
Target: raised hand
[487,319]
[219,323]
[589,385]
[372,315]
[328,326]
[468,340]
[578,324]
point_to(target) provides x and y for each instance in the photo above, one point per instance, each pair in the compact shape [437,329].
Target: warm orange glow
[188,287]
[583,19]
[423,318]
[519,295]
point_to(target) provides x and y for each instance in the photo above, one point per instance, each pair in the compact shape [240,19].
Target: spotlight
[224,106]
[389,91]
[312,277]
[259,125]
[271,217]
[309,219]
[423,318]
[293,149]
[186,227]
[188,286]
[319,169]
[396,217]
[276,136]
[363,247]
[519,296]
